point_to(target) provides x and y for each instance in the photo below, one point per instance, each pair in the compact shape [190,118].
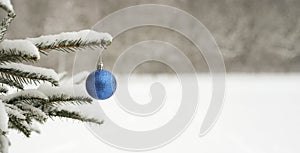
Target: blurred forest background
[254,36]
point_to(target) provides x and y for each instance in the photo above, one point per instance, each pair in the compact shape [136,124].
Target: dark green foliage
[11,83]
[66,99]
[16,124]
[20,77]
[16,56]
[38,109]
[24,99]
[32,112]
[70,45]
[5,22]
[15,121]
[72,115]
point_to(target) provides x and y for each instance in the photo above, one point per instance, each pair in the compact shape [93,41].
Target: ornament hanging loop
[100,61]
[100,64]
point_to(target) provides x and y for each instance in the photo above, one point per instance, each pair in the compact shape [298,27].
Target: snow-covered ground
[261,114]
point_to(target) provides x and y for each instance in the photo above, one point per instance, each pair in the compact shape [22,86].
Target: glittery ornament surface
[101,84]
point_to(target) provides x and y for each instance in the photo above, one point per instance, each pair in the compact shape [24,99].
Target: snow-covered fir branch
[62,96]
[36,113]
[65,113]
[11,83]
[23,96]
[19,125]
[13,110]
[5,23]
[72,41]
[25,107]
[63,99]
[19,119]
[20,110]
[6,5]
[28,74]
[18,51]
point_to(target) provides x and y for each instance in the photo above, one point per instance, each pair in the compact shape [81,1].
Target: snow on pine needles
[23,100]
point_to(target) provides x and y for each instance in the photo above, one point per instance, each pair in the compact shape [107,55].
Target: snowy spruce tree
[21,108]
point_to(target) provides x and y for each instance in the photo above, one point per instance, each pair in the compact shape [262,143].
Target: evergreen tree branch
[28,103]
[72,115]
[20,125]
[5,23]
[72,41]
[14,55]
[33,112]
[29,107]
[13,110]
[20,120]
[20,76]
[24,108]
[66,99]
[11,83]
[18,51]
[69,45]
[25,99]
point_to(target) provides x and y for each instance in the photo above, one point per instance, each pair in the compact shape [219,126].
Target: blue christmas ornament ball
[101,84]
